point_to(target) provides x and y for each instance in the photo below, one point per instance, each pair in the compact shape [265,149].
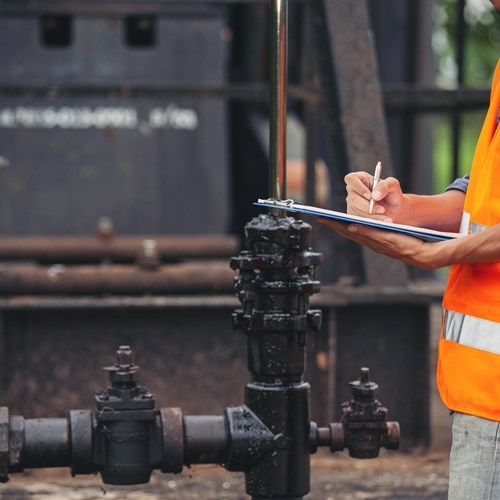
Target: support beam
[354,110]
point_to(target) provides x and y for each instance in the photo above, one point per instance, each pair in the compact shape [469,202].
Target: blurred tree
[482,42]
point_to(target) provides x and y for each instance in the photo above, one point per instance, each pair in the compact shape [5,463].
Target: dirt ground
[394,475]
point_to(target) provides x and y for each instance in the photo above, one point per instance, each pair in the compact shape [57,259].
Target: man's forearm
[442,211]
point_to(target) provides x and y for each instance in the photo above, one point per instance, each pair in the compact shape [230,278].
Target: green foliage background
[481,52]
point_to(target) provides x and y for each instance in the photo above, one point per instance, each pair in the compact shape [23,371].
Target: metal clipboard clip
[276,202]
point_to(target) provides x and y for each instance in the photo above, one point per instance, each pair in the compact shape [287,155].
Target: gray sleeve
[460,184]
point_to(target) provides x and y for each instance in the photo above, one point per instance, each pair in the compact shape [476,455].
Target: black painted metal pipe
[36,443]
[277,275]
[46,442]
[206,440]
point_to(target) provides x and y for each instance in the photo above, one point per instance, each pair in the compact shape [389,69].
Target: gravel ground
[394,475]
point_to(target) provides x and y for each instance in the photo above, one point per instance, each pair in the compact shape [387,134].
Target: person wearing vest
[468,370]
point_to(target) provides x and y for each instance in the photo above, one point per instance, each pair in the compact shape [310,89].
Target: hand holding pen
[389,202]
[376,178]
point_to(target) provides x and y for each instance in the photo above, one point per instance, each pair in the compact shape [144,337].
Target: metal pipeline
[276,278]
[270,437]
[41,442]
[181,278]
[277,98]
[118,249]
[126,438]
[206,439]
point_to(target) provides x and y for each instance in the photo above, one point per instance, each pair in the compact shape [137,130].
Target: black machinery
[271,436]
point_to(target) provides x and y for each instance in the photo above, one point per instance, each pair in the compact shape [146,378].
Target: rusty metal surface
[189,358]
[396,475]
[173,440]
[151,164]
[189,337]
[189,278]
[115,7]
[146,302]
[354,112]
[62,249]
[330,296]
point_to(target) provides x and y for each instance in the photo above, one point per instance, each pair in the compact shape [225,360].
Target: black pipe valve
[126,430]
[363,427]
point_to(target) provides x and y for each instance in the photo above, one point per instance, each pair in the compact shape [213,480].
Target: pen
[376,178]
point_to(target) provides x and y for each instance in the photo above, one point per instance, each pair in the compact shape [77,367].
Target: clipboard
[425,234]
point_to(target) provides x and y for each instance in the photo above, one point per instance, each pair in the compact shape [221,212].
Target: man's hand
[408,249]
[390,202]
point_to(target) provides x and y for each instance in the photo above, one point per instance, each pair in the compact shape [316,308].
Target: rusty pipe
[189,277]
[120,249]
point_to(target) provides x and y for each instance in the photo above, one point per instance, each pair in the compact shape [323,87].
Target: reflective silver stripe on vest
[473,332]
[476,228]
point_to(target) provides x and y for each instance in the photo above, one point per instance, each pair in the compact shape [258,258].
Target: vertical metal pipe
[277,95]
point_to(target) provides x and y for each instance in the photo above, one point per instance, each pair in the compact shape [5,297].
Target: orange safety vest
[468,372]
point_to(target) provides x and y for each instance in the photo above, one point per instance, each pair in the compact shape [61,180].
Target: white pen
[376,178]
